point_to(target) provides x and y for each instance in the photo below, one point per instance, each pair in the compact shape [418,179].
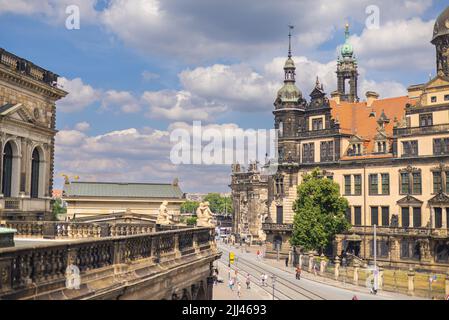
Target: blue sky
[137,69]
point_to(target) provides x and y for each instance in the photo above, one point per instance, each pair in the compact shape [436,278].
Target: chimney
[371,96]
[336,96]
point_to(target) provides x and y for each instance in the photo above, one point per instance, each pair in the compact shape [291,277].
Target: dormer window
[426,120]
[317,124]
[355,150]
[381,147]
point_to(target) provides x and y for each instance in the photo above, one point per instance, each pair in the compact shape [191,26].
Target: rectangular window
[410,148]
[405,217]
[317,124]
[417,220]
[327,151]
[348,215]
[385,183]
[358,216]
[348,185]
[447,218]
[446,146]
[417,185]
[438,218]
[280,215]
[405,183]
[447,184]
[437,146]
[433,99]
[357,185]
[308,153]
[373,184]
[374,216]
[437,182]
[426,120]
[405,251]
[446,97]
[385,216]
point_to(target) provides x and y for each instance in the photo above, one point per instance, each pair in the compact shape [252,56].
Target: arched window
[35,164]
[442,253]
[7,170]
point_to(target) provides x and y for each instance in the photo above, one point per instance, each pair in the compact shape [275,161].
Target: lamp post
[273,280]
[376,272]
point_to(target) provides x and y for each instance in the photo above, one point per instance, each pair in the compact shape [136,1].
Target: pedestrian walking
[315,268]
[231,284]
[355,298]
[248,282]
[298,273]
[266,280]
[286,262]
[258,254]
[262,279]
[239,289]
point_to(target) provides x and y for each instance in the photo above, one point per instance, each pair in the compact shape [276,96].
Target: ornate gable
[409,200]
[17,112]
[440,198]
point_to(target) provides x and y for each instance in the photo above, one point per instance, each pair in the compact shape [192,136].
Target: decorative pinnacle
[347,31]
[290,27]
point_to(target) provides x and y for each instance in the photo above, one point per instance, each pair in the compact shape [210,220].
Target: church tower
[441,42]
[289,111]
[347,73]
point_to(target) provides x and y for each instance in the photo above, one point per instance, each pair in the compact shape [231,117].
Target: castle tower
[289,110]
[441,42]
[347,73]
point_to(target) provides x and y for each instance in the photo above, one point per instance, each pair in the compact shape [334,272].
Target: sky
[136,70]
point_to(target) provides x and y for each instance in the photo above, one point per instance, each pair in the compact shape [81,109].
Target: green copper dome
[289,93]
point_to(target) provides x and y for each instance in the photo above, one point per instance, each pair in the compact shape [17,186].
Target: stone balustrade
[76,230]
[44,266]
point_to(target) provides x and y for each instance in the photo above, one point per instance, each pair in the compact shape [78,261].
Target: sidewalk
[223,292]
[310,276]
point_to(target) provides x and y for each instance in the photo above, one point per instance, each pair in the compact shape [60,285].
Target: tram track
[290,285]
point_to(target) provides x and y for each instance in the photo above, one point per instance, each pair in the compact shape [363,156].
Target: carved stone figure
[204,215]
[163,217]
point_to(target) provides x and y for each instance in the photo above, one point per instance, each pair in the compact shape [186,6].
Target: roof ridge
[121,183]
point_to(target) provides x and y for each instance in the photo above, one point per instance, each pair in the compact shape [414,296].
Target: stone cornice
[29,83]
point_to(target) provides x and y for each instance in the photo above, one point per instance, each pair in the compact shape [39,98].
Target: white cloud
[181,105]
[148,75]
[53,11]
[396,45]
[122,100]
[80,95]
[82,126]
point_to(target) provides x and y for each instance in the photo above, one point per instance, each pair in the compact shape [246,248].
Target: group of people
[235,283]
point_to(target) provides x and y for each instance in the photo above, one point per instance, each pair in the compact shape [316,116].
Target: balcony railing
[401,231]
[277,227]
[401,132]
[25,268]
[77,230]
[27,68]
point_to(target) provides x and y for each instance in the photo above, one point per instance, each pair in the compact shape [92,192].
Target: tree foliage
[319,212]
[58,208]
[219,204]
[189,207]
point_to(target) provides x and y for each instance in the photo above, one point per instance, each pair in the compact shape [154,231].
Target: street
[286,286]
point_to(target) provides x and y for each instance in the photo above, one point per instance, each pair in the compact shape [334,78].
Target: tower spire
[290,28]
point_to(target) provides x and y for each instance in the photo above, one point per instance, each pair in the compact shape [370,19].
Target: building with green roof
[96,198]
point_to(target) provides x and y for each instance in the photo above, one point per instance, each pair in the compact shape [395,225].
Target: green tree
[58,208]
[189,207]
[319,212]
[219,204]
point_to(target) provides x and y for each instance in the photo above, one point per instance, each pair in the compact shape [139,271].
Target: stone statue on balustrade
[163,218]
[204,215]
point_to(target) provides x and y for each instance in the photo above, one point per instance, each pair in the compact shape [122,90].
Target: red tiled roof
[354,118]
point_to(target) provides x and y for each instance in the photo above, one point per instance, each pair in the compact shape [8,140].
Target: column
[411,282]
[337,267]
[444,217]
